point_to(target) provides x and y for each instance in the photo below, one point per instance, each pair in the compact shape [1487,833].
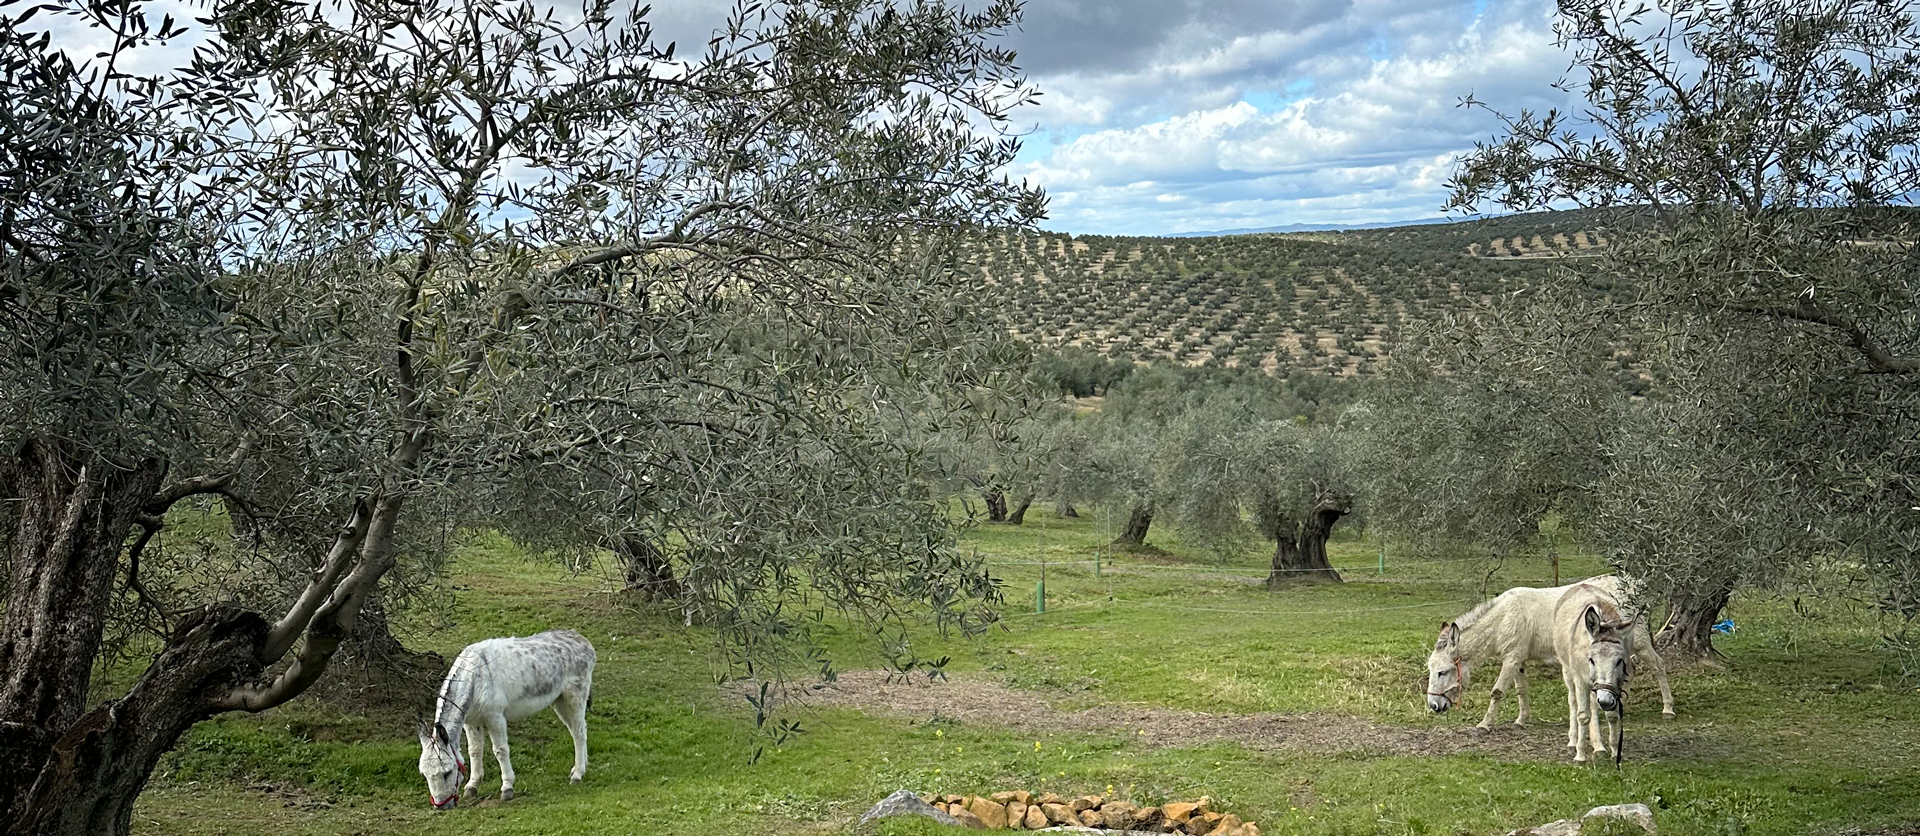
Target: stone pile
[1022,810]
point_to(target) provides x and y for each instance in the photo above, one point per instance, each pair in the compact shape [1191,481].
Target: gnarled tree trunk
[996,500]
[1691,615]
[1138,521]
[72,513]
[65,770]
[88,779]
[1019,513]
[647,569]
[1065,510]
[1302,557]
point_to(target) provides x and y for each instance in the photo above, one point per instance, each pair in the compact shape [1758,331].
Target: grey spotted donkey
[498,680]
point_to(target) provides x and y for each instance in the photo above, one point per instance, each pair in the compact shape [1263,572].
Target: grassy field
[1157,676]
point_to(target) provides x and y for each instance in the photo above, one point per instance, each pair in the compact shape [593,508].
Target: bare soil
[976,699]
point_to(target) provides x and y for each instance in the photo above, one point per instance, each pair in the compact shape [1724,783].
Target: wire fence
[1135,602]
[1104,566]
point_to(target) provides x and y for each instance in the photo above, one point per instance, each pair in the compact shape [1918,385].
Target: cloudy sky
[1163,116]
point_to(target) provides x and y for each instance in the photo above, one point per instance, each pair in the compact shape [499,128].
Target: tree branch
[333,621]
[326,576]
[1878,357]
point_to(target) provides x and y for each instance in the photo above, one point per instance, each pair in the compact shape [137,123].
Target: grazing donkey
[1516,627]
[497,680]
[1593,639]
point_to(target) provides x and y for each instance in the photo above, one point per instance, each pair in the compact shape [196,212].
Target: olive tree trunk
[996,500]
[1065,510]
[1691,614]
[1019,513]
[1302,557]
[71,516]
[1138,521]
[68,771]
[647,569]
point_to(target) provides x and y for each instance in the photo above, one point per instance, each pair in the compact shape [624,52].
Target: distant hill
[1325,301]
[1268,230]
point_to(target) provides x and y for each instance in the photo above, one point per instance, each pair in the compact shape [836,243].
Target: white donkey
[497,680]
[1593,638]
[1515,627]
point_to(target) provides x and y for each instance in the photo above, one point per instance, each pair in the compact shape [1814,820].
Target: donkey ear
[1448,634]
[439,732]
[1592,620]
[426,733]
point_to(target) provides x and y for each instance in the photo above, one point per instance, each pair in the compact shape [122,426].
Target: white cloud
[1370,135]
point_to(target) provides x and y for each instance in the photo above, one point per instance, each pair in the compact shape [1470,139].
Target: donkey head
[1608,656]
[440,764]
[1446,671]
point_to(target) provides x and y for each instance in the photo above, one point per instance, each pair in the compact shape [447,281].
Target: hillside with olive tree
[1325,302]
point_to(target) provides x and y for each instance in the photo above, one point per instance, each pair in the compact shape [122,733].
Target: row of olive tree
[1227,456]
[371,272]
[1773,296]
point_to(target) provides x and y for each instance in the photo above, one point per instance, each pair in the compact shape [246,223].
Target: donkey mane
[1472,616]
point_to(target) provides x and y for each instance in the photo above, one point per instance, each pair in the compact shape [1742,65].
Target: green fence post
[1039,597]
[1383,557]
[1096,564]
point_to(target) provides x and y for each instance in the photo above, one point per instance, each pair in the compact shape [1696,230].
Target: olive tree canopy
[1762,156]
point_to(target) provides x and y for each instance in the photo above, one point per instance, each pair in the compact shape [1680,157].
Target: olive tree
[1765,152]
[1232,471]
[368,270]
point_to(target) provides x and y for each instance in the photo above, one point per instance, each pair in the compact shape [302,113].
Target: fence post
[1554,555]
[1096,564]
[1040,590]
[1383,557]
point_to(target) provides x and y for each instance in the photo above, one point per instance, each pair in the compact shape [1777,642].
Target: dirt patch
[988,702]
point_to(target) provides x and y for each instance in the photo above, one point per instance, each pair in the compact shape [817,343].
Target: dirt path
[987,702]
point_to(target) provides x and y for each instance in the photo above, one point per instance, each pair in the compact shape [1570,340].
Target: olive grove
[371,273]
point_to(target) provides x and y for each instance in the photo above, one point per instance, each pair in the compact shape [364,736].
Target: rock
[1058,813]
[1620,819]
[1205,804]
[1117,815]
[1179,811]
[1563,827]
[1003,797]
[1036,818]
[1051,798]
[905,803]
[993,816]
[1085,802]
[1229,825]
[1251,829]
[962,816]
[1016,814]
[1023,797]
[1091,818]
[1146,818]
[1201,824]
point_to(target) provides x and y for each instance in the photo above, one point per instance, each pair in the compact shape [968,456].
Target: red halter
[440,803]
[1460,680]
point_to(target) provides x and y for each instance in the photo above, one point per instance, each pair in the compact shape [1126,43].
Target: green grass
[1806,731]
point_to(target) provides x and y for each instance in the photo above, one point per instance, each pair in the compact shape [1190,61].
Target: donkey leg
[1573,717]
[1520,695]
[497,730]
[476,760]
[1499,690]
[572,711]
[1644,649]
